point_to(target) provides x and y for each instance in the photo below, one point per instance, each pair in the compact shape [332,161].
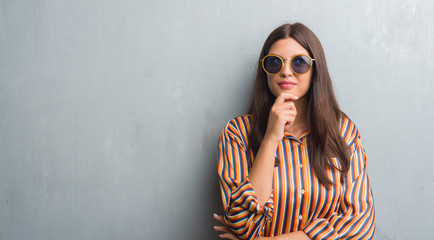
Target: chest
[296,186]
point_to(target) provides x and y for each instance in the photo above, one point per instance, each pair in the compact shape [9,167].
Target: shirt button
[300,166]
[298,144]
[302,191]
[300,217]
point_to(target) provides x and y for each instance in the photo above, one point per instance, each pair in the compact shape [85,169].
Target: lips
[286,84]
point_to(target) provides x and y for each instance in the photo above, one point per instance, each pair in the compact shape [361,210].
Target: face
[287,81]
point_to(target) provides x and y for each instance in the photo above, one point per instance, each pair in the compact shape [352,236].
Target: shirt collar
[302,135]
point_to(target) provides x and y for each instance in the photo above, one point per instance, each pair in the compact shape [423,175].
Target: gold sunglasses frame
[283,63]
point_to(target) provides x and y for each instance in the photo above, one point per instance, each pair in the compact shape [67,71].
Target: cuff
[244,196]
[320,228]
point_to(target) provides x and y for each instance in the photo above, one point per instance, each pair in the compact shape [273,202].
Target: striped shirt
[298,201]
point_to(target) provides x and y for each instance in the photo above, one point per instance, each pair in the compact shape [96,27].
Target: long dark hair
[323,112]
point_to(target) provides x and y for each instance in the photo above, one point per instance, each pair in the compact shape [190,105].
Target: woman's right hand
[227,233]
[282,116]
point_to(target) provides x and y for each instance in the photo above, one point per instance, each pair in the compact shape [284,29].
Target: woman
[294,167]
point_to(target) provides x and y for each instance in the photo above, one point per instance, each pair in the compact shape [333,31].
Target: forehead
[287,47]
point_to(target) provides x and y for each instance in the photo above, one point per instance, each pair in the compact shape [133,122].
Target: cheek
[307,80]
[272,85]
[269,82]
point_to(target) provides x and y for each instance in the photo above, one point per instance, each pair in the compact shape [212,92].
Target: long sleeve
[243,214]
[355,218]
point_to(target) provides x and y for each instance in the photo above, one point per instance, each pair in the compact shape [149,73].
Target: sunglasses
[300,64]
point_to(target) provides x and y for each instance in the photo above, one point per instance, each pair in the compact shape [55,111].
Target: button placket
[300,168]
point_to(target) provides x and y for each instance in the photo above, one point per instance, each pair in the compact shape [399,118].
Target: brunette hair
[323,112]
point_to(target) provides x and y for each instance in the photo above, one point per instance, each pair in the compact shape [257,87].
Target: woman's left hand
[227,233]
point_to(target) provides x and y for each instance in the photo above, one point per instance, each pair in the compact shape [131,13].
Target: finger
[219,218]
[222,229]
[285,105]
[287,126]
[284,114]
[285,97]
[228,236]
[290,99]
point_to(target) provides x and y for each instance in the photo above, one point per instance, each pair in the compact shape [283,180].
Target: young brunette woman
[294,167]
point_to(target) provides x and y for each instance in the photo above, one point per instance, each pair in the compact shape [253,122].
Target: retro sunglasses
[300,64]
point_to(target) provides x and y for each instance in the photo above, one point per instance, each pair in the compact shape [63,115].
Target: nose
[286,70]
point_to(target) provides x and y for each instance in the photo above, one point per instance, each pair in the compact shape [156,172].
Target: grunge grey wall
[110,111]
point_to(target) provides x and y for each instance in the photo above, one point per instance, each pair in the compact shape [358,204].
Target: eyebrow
[297,54]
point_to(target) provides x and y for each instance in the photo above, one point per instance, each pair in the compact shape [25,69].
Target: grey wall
[110,111]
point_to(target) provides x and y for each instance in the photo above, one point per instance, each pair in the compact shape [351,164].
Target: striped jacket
[298,200]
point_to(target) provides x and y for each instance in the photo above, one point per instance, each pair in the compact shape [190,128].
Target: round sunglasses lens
[272,64]
[301,64]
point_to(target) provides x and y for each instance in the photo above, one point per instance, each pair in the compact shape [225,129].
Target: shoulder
[349,130]
[352,137]
[238,123]
[238,128]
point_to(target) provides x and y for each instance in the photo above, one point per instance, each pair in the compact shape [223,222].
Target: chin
[290,91]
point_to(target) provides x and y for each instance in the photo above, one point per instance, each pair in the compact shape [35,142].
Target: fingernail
[215,215]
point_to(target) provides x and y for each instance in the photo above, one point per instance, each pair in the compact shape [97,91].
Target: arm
[243,214]
[355,218]
[282,116]
[228,234]
[247,196]
[299,235]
